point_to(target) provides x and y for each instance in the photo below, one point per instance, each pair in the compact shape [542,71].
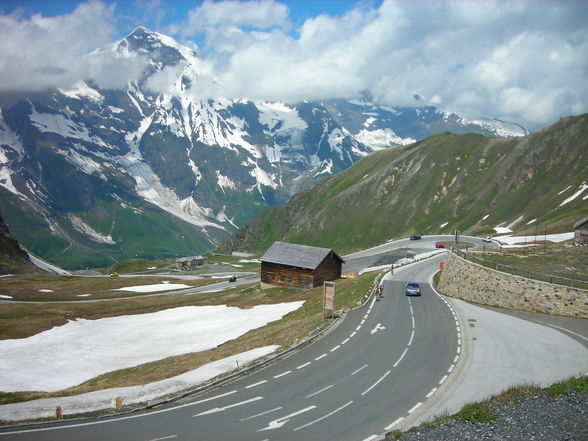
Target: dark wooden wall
[329,269]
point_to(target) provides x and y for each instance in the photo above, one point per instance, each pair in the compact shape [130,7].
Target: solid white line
[165,437]
[360,369]
[370,438]
[324,417]
[399,420]
[115,420]
[260,414]
[304,365]
[415,407]
[401,357]
[319,357]
[282,374]
[443,379]
[376,383]
[432,392]
[256,384]
[335,348]
[319,391]
[345,341]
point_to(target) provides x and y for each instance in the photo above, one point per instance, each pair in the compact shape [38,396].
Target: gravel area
[542,418]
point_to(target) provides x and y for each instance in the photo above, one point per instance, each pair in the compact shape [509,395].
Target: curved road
[360,380]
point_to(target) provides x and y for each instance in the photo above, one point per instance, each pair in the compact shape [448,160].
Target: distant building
[296,265]
[186,263]
[581,232]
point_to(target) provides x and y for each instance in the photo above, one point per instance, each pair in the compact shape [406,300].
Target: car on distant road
[413,289]
[233,279]
[415,237]
[439,245]
[487,239]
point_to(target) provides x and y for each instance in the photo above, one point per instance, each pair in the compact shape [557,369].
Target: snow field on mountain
[68,355]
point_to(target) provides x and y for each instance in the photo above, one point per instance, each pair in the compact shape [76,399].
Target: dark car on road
[415,237]
[413,289]
[233,279]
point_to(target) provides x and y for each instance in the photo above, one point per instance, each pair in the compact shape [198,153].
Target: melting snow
[512,240]
[80,350]
[502,230]
[163,286]
[583,187]
[2,296]
[81,89]
[89,232]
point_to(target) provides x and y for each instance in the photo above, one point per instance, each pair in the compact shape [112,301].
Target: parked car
[487,239]
[413,289]
[415,237]
[439,245]
[233,279]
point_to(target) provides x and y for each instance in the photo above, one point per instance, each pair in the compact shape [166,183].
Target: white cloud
[39,52]
[508,59]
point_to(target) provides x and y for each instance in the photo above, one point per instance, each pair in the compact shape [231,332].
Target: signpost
[328,298]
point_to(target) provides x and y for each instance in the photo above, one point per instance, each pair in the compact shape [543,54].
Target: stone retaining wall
[469,281]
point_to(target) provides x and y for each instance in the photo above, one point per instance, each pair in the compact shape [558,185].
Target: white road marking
[323,417]
[261,414]
[451,368]
[277,423]
[358,328]
[398,421]
[411,337]
[378,327]
[164,438]
[353,334]
[304,365]
[413,326]
[282,374]
[376,383]
[458,349]
[335,348]
[371,438]
[116,420]
[432,392]
[360,369]
[319,391]
[415,407]
[401,357]
[443,379]
[222,409]
[362,322]
[345,341]
[456,358]
[319,357]
[256,384]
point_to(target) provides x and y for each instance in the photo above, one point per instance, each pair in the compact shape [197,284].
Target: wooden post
[117,403]
[58,412]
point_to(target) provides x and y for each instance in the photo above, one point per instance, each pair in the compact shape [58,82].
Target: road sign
[328,297]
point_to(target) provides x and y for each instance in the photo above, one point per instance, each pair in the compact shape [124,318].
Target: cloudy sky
[523,61]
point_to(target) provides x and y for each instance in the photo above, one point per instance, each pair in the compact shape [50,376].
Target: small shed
[581,232]
[185,263]
[301,266]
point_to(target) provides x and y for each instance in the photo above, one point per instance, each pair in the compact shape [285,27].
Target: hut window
[285,278]
[269,276]
[304,281]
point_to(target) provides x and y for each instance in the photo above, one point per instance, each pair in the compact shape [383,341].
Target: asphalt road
[360,380]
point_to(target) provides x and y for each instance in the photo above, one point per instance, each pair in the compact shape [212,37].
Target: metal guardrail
[549,278]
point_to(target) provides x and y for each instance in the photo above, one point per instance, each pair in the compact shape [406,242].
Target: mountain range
[471,183]
[91,174]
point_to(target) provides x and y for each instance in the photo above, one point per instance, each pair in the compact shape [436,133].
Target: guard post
[328,299]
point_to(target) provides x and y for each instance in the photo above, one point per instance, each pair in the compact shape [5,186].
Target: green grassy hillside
[467,182]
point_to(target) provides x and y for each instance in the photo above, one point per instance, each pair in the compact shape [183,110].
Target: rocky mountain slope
[93,174]
[467,182]
[13,259]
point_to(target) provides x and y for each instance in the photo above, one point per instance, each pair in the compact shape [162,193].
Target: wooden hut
[299,265]
[581,232]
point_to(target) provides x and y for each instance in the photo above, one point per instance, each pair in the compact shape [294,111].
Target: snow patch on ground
[153,288]
[98,400]
[583,187]
[89,232]
[80,350]
[512,240]
[81,89]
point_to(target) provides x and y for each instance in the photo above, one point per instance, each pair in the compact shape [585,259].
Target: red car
[439,245]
